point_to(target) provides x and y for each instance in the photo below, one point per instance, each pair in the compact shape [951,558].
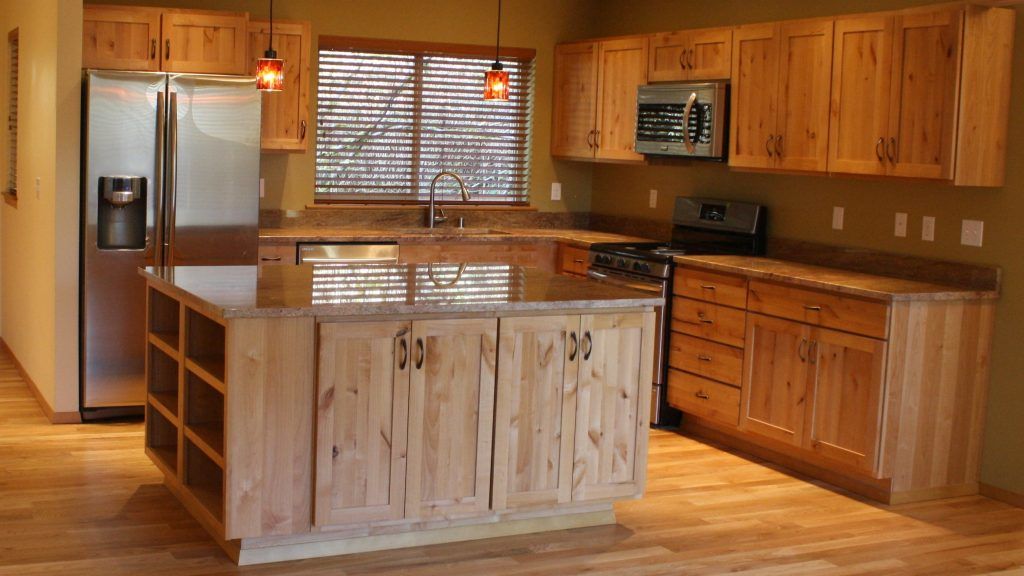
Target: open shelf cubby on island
[324,410]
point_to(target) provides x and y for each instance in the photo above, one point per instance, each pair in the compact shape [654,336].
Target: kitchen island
[301,411]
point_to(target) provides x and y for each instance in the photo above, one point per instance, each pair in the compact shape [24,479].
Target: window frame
[353,43]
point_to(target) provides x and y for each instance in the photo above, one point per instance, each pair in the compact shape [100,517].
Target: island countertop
[385,289]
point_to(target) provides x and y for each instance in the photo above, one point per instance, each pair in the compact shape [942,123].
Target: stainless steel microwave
[682,120]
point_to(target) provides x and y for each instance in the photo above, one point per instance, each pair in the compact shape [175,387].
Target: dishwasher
[348,252]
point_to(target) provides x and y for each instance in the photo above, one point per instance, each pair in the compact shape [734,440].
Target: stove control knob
[621,263]
[645,268]
[636,266]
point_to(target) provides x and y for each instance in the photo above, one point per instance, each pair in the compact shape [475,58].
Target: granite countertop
[386,289]
[580,238]
[833,279]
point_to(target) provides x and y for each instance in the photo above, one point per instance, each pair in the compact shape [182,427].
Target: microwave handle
[686,122]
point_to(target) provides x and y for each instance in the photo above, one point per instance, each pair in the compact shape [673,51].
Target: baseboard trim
[53,416]
[1001,494]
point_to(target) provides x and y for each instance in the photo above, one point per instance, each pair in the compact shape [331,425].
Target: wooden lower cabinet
[361,422]
[775,379]
[573,261]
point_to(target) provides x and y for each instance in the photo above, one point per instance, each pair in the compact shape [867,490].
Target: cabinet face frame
[621,70]
[754,106]
[375,399]
[108,25]
[574,113]
[285,126]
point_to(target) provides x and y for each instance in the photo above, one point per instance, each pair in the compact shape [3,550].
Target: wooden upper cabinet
[535,411]
[622,68]
[575,100]
[285,113]
[451,416]
[611,416]
[925,73]
[121,38]
[690,55]
[775,383]
[361,418]
[861,78]
[805,83]
[846,419]
[204,42]
[755,77]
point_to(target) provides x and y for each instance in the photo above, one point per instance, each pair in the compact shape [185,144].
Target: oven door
[653,286]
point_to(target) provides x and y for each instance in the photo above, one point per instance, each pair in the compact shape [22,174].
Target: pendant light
[496,79]
[270,68]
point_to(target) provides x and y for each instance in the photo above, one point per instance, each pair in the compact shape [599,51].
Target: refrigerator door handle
[158,188]
[170,181]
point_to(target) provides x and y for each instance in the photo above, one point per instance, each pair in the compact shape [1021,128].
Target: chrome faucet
[433,220]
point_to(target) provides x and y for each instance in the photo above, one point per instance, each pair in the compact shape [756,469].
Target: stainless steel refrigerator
[170,177]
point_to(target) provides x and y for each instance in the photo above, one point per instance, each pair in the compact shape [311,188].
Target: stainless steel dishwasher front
[348,252]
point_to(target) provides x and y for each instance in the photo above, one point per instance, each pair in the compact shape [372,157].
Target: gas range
[645,258]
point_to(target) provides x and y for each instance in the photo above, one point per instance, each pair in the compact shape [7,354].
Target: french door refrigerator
[170,177]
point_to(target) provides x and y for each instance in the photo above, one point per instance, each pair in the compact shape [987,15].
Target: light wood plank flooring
[83,499]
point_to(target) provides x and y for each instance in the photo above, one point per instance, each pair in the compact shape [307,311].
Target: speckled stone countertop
[580,238]
[385,289]
[833,279]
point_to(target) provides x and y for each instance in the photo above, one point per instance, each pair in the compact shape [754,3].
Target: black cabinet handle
[421,353]
[404,346]
[167,49]
[152,50]
[574,351]
[588,341]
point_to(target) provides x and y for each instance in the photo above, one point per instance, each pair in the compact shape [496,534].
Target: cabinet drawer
[856,315]
[573,260]
[719,323]
[704,398]
[706,358]
[710,287]
[271,254]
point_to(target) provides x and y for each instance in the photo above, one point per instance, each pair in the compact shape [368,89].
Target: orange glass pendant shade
[270,73]
[496,83]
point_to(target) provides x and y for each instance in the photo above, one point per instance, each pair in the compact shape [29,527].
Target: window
[12,115]
[391,117]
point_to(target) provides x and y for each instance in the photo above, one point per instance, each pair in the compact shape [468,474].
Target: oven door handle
[626,283]
[686,122]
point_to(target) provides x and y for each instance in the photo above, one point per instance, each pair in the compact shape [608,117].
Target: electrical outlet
[838,214]
[39,182]
[263,190]
[556,190]
[928,228]
[901,225]
[654,199]
[972,233]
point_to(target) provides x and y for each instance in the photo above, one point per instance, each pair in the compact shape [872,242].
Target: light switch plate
[654,199]
[39,184]
[901,225]
[972,233]
[556,190]
[263,190]
[838,214]
[928,228]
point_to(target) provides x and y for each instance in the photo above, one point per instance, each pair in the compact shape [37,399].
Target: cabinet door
[612,405]
[846,419]
[710,55]
[451,416]
[535,411]
[775,383]
[755,77]
[575,106]
[120,38]
[622,68]
[669,57]
[286,113]
[204,42]
[805,85]
[926,72]
[861,78]
[361,418]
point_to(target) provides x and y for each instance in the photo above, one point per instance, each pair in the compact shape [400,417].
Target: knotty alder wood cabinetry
[285,125]
[168,40]
[594,116]
[395,429]
[883,398]
[690,55]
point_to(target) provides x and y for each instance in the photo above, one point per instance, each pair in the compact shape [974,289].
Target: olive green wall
[801,206]
[538,24]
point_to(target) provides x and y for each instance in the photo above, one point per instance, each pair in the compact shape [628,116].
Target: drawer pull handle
[271,258]
[577,261]
[704,319]
[813,308]
[706,287]
[702,395]
[703,357]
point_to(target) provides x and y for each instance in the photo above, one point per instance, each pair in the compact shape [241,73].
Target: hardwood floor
[83,499]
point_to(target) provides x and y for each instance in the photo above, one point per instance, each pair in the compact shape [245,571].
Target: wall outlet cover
[901,225]
[263,189]
[972,233]
[928,228]
[838,214]
[654,199]
[556,190]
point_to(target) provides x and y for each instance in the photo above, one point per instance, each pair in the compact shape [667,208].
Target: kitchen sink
[451,232]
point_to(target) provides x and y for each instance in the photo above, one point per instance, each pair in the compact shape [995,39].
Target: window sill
[446,206]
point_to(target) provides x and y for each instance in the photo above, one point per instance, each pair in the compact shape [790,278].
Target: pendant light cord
[497,43]
[270,43]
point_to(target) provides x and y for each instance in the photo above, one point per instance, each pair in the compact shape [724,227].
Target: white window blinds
[390,120]
[12,113]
